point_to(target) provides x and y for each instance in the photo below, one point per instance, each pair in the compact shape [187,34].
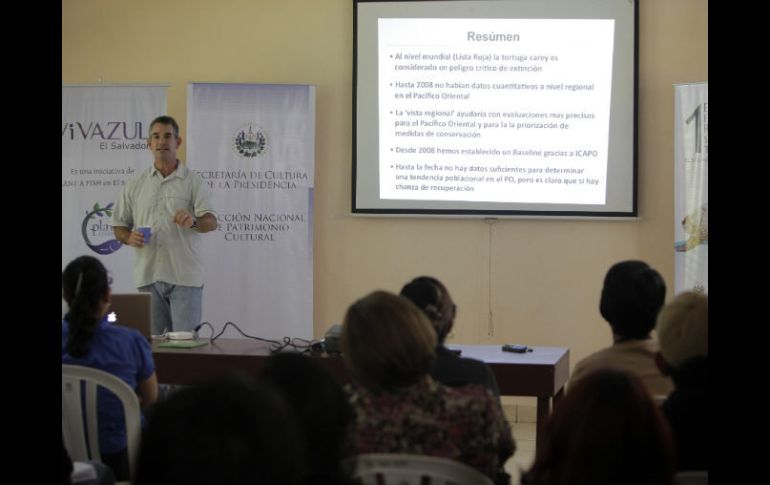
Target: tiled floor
[522,421]
[524,434]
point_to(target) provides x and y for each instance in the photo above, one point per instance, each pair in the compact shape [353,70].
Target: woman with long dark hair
[88,339]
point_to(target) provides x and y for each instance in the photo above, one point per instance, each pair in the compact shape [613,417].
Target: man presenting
[173,202]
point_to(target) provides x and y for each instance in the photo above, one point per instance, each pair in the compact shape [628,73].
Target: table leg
[543,408]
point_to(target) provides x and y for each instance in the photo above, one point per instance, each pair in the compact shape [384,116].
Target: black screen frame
[487,213]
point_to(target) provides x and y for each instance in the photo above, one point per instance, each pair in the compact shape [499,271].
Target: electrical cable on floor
[491,221]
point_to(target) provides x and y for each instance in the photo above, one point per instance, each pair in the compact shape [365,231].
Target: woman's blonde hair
[387,342]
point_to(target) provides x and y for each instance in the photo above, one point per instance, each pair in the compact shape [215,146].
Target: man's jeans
[174,308]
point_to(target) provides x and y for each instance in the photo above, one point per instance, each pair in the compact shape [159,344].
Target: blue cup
[146,232]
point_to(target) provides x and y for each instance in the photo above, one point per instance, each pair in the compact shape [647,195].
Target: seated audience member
[683,333]
[88,339]
[231,430]
[632,295]
[389,346]
[607,430]
[322,409]
[432,297]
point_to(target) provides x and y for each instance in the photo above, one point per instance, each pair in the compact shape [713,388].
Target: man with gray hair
[162,213]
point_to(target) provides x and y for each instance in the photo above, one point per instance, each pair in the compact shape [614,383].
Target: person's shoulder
[469,366]
[191,176]
[184,171]
[471,362]
[139,177]
[596,360]
[451,368]
[445,353]
[634,348]
[596,357]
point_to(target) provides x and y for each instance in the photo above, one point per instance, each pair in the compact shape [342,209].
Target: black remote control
[519,349]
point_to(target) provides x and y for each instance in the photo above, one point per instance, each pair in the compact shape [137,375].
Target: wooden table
[541,373]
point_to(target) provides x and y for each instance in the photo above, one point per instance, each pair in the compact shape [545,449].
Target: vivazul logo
[250,140]
[97,232]
[104,130]
[108,135]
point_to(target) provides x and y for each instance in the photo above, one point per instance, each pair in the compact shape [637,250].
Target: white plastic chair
[403,469]
[73,428]
[695,477]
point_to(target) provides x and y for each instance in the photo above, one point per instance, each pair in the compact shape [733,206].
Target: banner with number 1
[691,187]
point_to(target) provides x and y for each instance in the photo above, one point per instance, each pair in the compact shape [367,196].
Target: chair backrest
[695,477]
[403,469]
[80,446]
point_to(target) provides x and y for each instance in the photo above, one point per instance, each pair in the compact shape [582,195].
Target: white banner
[691,186]
[103,143]
[254,145]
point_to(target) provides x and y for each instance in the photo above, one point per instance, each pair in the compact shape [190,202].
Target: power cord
[195,330]
[298,344]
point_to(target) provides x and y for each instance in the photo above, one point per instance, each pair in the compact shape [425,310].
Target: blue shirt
[122,352]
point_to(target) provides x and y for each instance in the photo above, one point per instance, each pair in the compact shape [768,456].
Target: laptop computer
[132,310]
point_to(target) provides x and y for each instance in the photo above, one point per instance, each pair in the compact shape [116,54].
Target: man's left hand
[184,218]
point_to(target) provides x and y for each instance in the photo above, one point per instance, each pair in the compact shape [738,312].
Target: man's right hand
[135,239]
[128,237]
